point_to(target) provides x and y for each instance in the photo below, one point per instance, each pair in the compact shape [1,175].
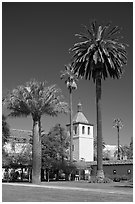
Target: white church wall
[92,132]
[76,148]
[86,142]
[86,148]
[82,137]
[85,134]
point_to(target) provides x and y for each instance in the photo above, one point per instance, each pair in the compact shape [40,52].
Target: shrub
[118,178]
[94,179]
[124,178]
[130,180]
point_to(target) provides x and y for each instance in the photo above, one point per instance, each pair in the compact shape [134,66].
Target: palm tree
[70,80]
[97,55]
[35,99]
[95,147]
[117,123]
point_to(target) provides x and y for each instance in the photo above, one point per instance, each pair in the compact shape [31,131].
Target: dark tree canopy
[99,50]
[54,147]
[5,130]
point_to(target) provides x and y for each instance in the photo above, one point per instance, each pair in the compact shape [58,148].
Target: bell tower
[82,137]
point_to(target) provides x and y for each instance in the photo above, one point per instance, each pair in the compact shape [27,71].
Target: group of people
[11,174]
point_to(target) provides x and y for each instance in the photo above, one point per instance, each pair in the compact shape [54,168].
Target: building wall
[76,148]
[86,131]
[82,142]
[86,148]
[120,170]
[85,142]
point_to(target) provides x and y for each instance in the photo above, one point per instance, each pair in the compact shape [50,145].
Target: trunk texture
[71,127]
[100,173]
[118,144]
[36,154]
[48,179]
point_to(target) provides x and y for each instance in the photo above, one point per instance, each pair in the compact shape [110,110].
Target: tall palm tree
[35,99]
[97,55]
[95,147]
[70,80]
[117,123]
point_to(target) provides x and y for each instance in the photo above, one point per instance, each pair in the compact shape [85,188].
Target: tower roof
[79,116]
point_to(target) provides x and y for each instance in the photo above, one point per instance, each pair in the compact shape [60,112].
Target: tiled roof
[112,162]
[80,117]
[18,135]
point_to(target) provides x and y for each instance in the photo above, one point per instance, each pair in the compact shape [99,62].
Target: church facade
[83,140]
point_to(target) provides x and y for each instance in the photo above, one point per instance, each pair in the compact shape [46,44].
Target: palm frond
[94,27]
[113,31]
[101,46]
[88,70]
[82,36]
[69,76]
[34,98]
[104,30]
[89,32]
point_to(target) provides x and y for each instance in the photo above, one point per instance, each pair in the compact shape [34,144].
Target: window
[114,171]
[75,130]
[73,148]
[129,171]
[88,130]
[83,129]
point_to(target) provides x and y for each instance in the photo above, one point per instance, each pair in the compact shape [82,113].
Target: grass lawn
[66,192]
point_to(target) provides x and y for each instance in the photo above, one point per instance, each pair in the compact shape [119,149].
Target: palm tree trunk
[48,175]
[118,144]
[100,173]
[36,153]
[71,126]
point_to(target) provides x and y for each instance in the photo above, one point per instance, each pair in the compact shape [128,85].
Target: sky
[36,38]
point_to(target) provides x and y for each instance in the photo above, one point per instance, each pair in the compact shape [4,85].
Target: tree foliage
[69,77]
[117,123]
[5,130]
[54,147]
[125,151]
[23,157]
[35,99]
[99,50]
[131,148]
[99,54]
[70,80]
